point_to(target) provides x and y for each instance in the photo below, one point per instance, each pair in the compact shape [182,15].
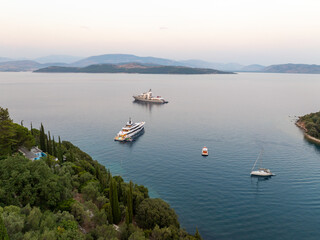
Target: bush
[152,212]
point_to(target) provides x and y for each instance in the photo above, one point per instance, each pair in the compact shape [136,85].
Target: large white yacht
[147,97]
[129,131]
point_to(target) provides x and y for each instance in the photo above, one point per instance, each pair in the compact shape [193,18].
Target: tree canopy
[152,212]
[312,124]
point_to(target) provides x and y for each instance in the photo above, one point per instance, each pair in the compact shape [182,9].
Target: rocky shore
[301,125]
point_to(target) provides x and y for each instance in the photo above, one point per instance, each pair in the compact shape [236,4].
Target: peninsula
[131,68]
[310,124]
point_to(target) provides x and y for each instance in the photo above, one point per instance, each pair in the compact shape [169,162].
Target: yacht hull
[132,136]
[261,174]
[140,99]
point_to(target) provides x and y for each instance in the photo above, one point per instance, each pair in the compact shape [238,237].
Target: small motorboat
[260,172]
[205,151]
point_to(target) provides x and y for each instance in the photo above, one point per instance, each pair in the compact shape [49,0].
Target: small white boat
[260,172]
[205,151]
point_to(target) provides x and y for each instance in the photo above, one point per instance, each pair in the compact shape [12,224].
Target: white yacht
[147,97]
[260,172]
[129,131]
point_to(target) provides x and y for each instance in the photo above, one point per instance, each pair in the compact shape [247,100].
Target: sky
[242,31]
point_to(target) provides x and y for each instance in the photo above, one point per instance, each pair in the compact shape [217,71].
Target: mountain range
[7,64]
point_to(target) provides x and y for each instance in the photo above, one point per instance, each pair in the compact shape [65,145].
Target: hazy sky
[243,31]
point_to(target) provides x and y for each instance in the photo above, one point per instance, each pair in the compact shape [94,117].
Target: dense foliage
[68,195]
[152,212]
[312,124]
[12,135]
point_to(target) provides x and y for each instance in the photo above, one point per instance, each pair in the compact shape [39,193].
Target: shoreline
[300,124]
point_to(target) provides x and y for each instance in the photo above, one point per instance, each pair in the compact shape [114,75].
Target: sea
[235,116]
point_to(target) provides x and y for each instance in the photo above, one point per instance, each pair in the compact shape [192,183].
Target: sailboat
[260,172]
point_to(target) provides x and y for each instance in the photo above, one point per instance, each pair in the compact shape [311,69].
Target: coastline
[301,125]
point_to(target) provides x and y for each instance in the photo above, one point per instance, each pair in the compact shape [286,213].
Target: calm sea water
[233,115]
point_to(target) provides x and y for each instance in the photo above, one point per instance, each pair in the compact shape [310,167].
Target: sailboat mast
[257,160]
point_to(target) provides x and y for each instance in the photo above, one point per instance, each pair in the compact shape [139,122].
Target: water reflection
[257,180]
[315,145]
[148,105]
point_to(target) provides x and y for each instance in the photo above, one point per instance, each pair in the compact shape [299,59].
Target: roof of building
[27,153]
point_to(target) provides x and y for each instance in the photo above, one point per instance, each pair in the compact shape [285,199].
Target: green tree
[197,235]
[54,149]
[130,202]
[24,181]
[114,201]
[49,145]
[91,191]
[152,212]
[31,128]
[22,137]
[108,209]
[7,132]
[78,211]
[127,216]
[105,232]
[42,139]
[14,221]
[3,230]
[33,219]
[137,235]
[60,152]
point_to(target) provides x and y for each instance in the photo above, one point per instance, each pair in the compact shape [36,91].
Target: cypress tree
[130,202]
[114,201]
[49,145]
[3,230]
[109,214]
[197,235]
[60,154]
[127,216]
[42,139]
[54,149]
[31,129]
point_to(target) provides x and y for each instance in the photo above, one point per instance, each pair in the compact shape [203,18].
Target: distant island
[74,63]
[310,124]
[293,68]
[131,68]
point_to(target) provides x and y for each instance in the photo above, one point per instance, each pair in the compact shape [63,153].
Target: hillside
[131,68]
[68,195]
[293,68]
[24,65]
[57,59]
[178,67]
[252,68]
[16,66]
[123,58]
